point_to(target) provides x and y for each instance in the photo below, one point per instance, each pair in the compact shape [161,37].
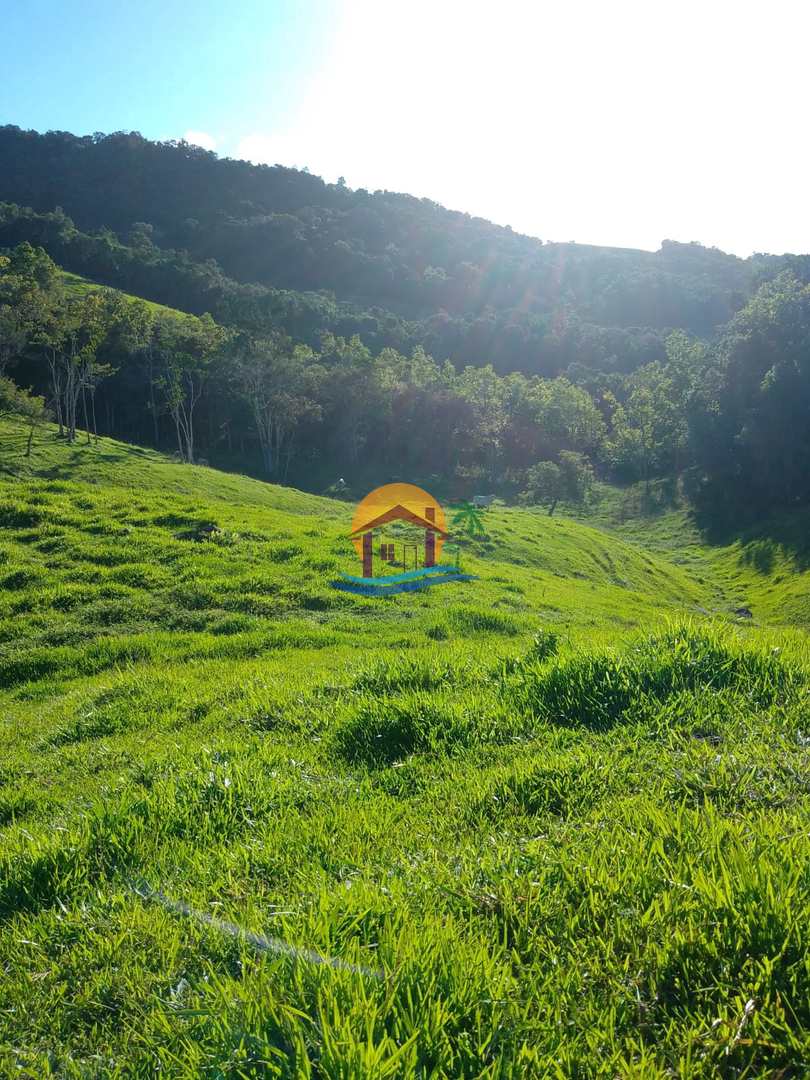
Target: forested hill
[343,334]
[290,230]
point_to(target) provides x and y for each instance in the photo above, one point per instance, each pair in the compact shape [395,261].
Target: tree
[72,336]
[544,484]
[74,331]
[138,339]
[485,391]
[351,394]
[546,416]
[649,429]
[13,337]
[749,413]
[278,386]
[14,401]
[27,282]
[577,476]
[186,348]
[570,480]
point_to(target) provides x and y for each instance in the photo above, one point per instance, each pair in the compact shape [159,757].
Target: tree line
[731,415]
[271,247]
[514,339]
[289,229]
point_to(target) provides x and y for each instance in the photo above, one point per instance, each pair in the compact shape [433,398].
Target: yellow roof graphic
[393,496]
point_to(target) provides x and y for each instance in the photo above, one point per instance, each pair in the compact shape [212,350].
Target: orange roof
[399,513]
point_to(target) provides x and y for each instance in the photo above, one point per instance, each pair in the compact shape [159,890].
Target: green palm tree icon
[469,519]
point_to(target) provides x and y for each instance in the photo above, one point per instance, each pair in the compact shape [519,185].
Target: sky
[611,122]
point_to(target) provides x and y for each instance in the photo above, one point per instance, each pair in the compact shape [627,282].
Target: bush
[405,673]
[598,691]
[472,621]
[544,645]
[381,730]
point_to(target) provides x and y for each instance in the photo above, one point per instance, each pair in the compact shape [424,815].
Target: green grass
[76,285]
[761,566]
[552,822]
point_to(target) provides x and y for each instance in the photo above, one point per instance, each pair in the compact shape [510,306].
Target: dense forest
[290,230]
[322,332]
[178,224]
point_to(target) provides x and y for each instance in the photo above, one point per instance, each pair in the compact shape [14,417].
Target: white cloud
[202,139]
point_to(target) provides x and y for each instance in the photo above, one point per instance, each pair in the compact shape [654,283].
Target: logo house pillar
[368,554]
[430,538]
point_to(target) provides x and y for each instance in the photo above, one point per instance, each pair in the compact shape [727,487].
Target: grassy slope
[565,865]
[76,285]
[765,574]
[763,568]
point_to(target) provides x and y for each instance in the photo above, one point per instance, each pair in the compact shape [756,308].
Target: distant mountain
[374,335]
[463,287]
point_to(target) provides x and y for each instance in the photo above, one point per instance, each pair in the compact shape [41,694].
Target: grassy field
[551,822]
[76,285]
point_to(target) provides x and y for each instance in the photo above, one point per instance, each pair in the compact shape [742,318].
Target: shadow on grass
[40,463]
[648,501]
[763,541]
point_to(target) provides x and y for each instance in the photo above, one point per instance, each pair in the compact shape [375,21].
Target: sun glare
[621,124]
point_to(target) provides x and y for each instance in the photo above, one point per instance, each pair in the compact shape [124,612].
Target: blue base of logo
[411,581]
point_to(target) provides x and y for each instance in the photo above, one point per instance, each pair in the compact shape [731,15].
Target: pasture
[551,822]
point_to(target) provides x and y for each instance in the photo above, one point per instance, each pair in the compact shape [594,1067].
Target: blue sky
[622,123]
[160,67]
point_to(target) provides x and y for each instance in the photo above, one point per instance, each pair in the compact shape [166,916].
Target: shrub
[381,730]
[473,621]
[405,673]
[545,644]
[599,690]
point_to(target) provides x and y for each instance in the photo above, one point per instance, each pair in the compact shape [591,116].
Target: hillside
[289,229]
[343,336]
[762,566]
[77,286]
[543,562]
[398,270]
[549,822]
